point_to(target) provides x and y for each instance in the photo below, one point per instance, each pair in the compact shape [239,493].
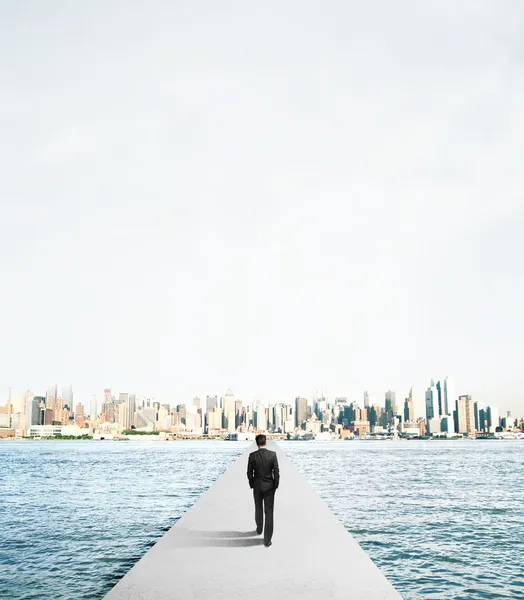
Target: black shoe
[267,544]
[259,531]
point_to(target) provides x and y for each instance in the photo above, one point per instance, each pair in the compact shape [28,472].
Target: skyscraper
[261,418]
[409,409]
[440,399]
[67,396]
[367,399]
[228,411]
[211,403]
[432,401]
[93,408]
[51,397]
[448,397]
[390,403]
[492,417]
[32,411]
[300,411]
[465,415]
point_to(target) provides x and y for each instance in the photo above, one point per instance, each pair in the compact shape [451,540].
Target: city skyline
[123,414]
[418,396]
[428,405]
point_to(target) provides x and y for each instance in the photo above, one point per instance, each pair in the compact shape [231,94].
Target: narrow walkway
[213,552]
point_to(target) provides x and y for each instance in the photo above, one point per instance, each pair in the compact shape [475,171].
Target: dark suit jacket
[262,470]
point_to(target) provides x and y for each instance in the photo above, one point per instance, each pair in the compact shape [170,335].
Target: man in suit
[264,477]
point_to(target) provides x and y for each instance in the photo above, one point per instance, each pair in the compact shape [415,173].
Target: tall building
[261,418]
[432,411]
[238,413]
[80,414]
[93,408]
[440,399]
[32,411]
[492,418]
[228,411]
[409,408]
[67,396]
[300,411]
[390,402]
[211,403]
[51,397]
[478,410]
[465,415]
[448,397]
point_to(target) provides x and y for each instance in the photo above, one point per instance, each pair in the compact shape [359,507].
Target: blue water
[76,515]
[441,519]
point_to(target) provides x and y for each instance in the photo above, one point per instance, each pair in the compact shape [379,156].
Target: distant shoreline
[154,438]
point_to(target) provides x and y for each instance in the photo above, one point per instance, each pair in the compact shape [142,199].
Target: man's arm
[276,472]
[250,472]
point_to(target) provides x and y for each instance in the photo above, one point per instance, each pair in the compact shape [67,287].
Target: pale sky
[277,197]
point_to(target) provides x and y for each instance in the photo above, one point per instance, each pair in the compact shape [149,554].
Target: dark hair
[260,439]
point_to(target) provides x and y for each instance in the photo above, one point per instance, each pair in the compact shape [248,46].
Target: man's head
[260,440]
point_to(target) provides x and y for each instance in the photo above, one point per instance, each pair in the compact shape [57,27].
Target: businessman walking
[264,477]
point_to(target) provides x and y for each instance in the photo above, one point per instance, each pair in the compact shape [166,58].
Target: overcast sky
[277,197]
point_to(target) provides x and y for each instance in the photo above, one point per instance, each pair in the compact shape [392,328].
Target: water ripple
[441,519]
[75,517]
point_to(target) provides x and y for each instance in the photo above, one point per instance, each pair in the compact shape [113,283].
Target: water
[76,515]
[441,519]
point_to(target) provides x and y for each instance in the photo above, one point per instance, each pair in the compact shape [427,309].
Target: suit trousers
[264,504]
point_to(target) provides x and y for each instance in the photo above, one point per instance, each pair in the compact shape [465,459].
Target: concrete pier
[213,552]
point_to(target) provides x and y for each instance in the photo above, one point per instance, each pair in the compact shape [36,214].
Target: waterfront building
[56,430]
[300,412]
[434,426]
[32,411]
[465,415]
[492,418]
[447,425]
[414,428]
